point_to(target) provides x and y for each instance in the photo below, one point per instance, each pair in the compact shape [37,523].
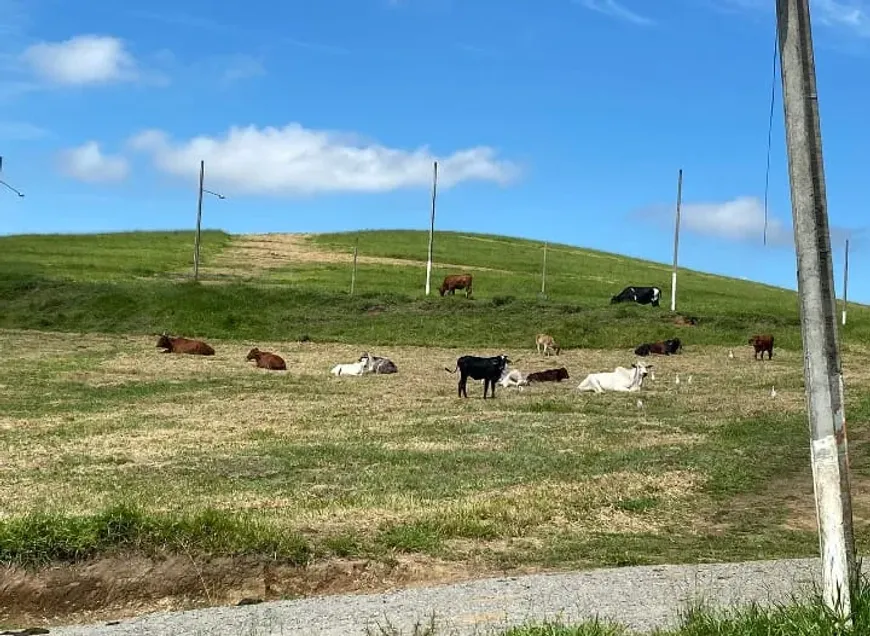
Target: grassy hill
[289,286]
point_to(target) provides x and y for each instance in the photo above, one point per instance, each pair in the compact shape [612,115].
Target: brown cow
[762,343]
[550,375]
[456,281]
[183,345]
[662,347]
[266,360]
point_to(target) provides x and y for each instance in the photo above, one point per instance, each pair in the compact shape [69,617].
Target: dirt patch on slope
[129,585]
[258,252]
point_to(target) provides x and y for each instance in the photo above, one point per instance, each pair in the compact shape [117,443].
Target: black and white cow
[489,370]
[640,295]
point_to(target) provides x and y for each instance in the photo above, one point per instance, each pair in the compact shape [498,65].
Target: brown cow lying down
[550,375]
[762,343]
[662,347]
[184,345]
[266,360]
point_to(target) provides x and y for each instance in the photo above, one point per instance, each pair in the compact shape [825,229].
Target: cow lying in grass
[514,377]
[352,368]
[662,347]
[266,360]
[183,345]
[377,364]
[621,379]
[550,375]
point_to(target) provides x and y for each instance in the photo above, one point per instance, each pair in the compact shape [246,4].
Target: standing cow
[456,281]
[762,343]
[640,295]
[490,370]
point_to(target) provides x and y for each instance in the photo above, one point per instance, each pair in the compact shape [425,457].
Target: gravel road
[642,598]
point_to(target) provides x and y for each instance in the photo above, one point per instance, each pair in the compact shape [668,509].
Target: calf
[456,281]
[266,360]
[662,347]
[514,377]
[378,365]
[487,369]
[640,295]
[621,379]
[550,375]
[353,368]
[762,343]
[544,343]
[183,345]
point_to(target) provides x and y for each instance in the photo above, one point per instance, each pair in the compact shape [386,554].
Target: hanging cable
[770,129]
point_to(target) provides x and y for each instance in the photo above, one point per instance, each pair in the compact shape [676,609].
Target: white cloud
[242,67]
[295,160]
[81,60]
[21,131]
[852,15]
[741,219]
[616,10]
[88,163]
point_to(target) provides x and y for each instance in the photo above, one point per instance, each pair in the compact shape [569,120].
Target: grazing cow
[762,343]
[377,364]
[544,343]
[640,295]
[621,379]
[550,375]
[662,347]
[183,345]
[352,368]
[456,281]
[266,360]
[487,369]
[514,377]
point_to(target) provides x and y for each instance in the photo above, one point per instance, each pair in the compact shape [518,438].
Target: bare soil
[123,586]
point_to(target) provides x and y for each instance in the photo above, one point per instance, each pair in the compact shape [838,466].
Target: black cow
[640,295]
[487,369]
[662,347]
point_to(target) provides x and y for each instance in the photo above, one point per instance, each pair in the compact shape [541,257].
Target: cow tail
[453,371]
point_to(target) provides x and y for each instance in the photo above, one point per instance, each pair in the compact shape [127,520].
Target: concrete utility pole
[353,271]
[6,185]
[676,241]
[199,218]
[845,282]
[822,373]
[431,228]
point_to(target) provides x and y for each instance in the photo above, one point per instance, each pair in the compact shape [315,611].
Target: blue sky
[562,120]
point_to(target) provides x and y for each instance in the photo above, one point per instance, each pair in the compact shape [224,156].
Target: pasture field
[134,480]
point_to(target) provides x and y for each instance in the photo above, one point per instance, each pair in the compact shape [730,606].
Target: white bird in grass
[677,379]
[690,379]
[730,354]
[640,404]
[772,392]
[652,375]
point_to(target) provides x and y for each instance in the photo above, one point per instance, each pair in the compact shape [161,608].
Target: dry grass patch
[253,253]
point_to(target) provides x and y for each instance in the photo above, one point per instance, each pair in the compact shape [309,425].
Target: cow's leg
[492,394]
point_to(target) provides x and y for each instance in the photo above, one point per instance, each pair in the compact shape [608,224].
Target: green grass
[800,617]
[104,257]
[133,283]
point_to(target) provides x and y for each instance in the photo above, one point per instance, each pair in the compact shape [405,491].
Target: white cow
[621,379]
[514,377]
[354,368]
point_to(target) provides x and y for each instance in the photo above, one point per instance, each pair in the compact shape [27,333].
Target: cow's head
[163,342]
[562,373]
[252,354]
[642,368]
